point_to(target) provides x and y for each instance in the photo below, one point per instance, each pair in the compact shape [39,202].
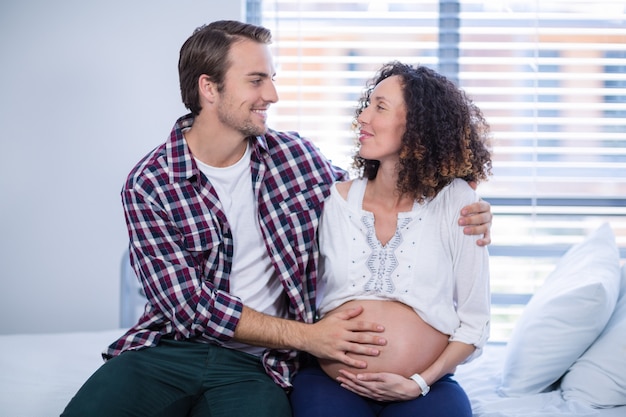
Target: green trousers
[180,379]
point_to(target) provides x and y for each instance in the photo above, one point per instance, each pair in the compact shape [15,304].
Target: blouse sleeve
[471,277]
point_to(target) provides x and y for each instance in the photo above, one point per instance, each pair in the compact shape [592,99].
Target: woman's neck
[382,192]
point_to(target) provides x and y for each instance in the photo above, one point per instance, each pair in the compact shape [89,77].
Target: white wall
[86,89]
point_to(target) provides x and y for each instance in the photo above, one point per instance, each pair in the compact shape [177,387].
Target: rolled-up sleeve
[178,265]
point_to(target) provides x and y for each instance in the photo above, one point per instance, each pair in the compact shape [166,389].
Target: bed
[41,373]
[482,378]
[565,358]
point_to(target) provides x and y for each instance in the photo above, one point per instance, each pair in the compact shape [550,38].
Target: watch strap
[421,382]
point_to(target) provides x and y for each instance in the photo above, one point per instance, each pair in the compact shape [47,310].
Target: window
[549,75]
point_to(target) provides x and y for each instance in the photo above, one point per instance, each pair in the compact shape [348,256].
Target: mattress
[481,378]
[40,373]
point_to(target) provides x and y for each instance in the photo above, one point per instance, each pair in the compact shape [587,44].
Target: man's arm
[170,273]
[330,338]
[476,219]
[166,267]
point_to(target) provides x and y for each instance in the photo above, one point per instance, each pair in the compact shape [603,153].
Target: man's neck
[215,147]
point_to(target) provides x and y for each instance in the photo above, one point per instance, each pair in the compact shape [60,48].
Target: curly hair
[446,135]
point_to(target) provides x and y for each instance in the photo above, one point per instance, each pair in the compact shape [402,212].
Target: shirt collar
[179,159]
[181,163]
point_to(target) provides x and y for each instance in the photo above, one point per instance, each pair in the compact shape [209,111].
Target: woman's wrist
[424,387]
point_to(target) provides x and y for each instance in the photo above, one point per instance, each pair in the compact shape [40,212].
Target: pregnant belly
[412,344]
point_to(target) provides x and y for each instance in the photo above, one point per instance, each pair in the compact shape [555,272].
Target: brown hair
[446,135]
[206,52]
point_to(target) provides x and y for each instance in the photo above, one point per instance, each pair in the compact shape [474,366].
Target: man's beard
[245,126]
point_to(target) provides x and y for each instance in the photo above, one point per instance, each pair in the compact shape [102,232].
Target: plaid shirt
[181,244]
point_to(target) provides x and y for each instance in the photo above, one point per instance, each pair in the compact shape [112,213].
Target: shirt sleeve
[471,277]
[171,264]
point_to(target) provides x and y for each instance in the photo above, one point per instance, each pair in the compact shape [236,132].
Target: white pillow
[599,376]
[564,316]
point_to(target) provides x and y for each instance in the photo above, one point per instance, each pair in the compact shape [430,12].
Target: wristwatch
[420,381]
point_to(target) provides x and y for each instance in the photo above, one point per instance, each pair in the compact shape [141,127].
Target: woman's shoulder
[457,192]
[343,187]
[460,186]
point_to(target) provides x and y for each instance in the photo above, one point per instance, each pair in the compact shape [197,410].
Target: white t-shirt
[429,264]
[252,277]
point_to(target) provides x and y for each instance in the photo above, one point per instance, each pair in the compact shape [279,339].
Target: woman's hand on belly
[412,344]
[382,386]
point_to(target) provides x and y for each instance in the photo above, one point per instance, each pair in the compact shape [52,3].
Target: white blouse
[429,264]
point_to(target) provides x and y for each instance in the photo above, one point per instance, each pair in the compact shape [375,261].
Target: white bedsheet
[481,377]
[39,374]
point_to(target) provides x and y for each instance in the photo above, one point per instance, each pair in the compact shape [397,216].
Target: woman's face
[383,122]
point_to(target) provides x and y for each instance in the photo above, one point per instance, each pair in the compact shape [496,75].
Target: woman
[389,242]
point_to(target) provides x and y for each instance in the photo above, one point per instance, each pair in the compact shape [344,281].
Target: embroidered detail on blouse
[382,260]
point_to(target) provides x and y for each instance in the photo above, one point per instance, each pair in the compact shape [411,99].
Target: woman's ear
[207,88]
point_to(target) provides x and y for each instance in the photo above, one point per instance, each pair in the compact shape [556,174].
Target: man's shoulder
[150,167]
[285,137]
[291,144]
[298,157]
[168,160]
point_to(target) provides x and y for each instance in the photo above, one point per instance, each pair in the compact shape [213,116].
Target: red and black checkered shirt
[181,244]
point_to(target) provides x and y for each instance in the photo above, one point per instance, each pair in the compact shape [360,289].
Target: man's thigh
[251,398]
[157,381]
[236,385]
[175,378]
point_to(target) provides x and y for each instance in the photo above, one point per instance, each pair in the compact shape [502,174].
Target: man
[222,220]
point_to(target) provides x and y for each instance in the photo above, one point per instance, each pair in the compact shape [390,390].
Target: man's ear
[207,88]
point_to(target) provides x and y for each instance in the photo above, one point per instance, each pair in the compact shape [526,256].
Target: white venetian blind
[549,75]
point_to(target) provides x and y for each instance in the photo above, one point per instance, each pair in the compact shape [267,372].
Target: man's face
[248,88]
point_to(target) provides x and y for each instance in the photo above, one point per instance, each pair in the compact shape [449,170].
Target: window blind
[549,76]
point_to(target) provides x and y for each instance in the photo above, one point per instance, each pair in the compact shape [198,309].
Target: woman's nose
[364,116]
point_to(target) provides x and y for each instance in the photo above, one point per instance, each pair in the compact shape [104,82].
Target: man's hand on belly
[341,333]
